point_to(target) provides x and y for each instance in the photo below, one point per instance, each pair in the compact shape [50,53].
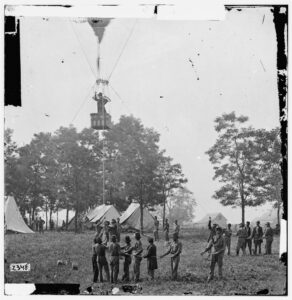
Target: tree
[136,153]
[180,206]
[169,177]
[270,180]
[236,163]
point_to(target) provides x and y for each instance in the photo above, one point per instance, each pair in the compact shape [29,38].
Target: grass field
[242,275]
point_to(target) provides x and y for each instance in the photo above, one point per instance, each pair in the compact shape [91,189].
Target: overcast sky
[176,76]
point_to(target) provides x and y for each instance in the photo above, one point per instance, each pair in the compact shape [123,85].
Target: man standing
[175,251]
[268,235]
[242,235]
[127,251]
[228,235]
[99,250]
[166,230]
[41,225]
[212,230]
[114,251]
[257,236]
[137,254]
[119,229]
[151,258]
[218,245]
[248,240]
[176,228]
[156,228]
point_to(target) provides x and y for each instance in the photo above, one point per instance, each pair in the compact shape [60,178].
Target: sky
[176,76]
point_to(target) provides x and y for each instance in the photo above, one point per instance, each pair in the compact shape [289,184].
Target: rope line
[118,59]
[80,44]
[82,104]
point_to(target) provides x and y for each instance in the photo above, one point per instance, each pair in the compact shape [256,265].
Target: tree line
[76,171]
[247,164]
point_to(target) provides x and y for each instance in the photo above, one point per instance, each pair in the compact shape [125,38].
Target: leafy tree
[169,177]
[135,154]
[236,163]
[269,153]
[181,206]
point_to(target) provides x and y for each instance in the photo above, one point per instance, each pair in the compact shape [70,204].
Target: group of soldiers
[220,239]
[111,231]
[36,225]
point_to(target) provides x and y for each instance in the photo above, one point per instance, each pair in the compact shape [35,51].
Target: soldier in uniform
[126,252]
[248,240]
[242,235]
[113,228]
[118,230]
[176,228]
[212,229]
[156,228]
[94,261]
[257,236]
[217,246]
[166,230]
[175,251]
[100,249]
[151,258]
[114,252]
[137,254]
[268,236]
[228,235]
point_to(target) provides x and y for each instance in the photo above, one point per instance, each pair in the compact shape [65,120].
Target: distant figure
[137,254]
[166,230]
[114,252]
[248,240]
[100,249]
[156,228]
[212,229]
[41,225]
[37,223]
[119,229]
[175,251]
[176,228]
[113,228]
[268,236]
[257,236]
[25,220]
[126,252]
[63,225]
[217,246]
[242,235]
[228,235]
[106,230]
[151,258]
[94,261]
[52,225]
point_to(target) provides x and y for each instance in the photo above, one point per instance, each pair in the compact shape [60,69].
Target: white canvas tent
[217,218]
[13,219]
[132,216]
[100,214]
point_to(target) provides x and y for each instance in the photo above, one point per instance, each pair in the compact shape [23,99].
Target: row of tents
[130,219]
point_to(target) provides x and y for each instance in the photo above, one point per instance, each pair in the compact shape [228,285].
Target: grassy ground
[242,275]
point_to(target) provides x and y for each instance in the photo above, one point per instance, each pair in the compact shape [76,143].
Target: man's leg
[106,269]
[220,264]
[95,269]
[249,246]
[212,268]
[237,248]
[255,247]
[175,267]
[100,272]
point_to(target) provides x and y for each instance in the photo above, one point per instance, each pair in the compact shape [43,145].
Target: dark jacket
[151,257]
[257,233]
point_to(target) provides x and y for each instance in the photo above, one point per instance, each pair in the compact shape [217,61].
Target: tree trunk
[242,210]
[46,217]
[51,218]
[278,214]
[67,217]
[164,208]
[57,218]
[75,221]
[141,208]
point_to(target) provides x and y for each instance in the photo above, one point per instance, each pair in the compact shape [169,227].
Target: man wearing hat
[126,252]
[268,235]
[137,254]
[175,251]
[151,258]
[242,235]
[257,236]
[217,244]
